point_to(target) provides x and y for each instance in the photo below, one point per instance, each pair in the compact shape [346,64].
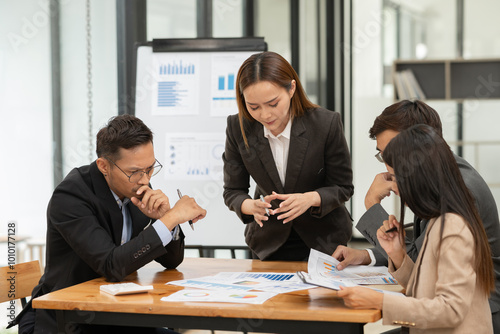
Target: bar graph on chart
[177,80]
[224,71]
[226,82]
[174,68]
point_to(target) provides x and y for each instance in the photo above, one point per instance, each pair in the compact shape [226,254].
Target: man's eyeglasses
[137,176]
[380,157]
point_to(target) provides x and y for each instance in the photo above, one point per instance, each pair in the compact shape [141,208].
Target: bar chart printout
[323,267]
[225,68]
[175,91]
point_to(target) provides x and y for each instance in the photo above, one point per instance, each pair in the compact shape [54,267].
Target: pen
[263,200]
[190,221]
[394,229]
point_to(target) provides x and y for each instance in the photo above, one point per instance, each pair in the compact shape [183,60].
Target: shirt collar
[286,132]
[119,201]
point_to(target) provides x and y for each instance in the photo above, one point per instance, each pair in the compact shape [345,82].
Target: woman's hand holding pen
[291,207]
[258,208]
[391,242]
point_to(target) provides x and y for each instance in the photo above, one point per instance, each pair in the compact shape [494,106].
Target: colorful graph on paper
[324,266]
[219,296]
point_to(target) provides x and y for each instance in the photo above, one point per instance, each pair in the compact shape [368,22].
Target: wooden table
[316,310]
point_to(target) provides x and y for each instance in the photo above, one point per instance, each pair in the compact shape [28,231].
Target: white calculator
[125,288]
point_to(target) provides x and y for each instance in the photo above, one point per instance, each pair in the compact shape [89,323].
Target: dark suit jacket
[318,160]
[373,218]
[84,227]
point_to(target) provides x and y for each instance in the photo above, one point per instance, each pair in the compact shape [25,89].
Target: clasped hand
[152,203]
[291,207]
[380,188]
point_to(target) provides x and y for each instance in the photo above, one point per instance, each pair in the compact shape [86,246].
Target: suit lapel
[418,263]
[103,192]
[296,154]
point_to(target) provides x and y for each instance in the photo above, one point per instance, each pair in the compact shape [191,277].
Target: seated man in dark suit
[104,219]
[393,120]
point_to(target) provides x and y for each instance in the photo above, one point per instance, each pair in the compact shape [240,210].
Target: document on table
[192,295]
[246,281]
[322,270]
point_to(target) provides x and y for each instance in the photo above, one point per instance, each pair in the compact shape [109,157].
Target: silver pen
[190,221]
[263,200]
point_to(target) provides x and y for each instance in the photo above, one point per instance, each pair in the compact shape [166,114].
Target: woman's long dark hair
[431,184]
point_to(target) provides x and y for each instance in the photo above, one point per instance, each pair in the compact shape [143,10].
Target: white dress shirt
[280,146]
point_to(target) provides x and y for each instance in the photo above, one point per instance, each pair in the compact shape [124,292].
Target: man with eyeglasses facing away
[105,219]
[394,119]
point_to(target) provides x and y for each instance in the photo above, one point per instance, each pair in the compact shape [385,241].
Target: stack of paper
[237,287]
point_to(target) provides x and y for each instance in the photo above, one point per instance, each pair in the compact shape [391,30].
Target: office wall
[481,118]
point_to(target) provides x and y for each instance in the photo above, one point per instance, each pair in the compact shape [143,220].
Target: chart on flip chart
[185,98]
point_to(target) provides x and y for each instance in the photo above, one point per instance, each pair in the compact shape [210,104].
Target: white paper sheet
[197,295]
[246,281]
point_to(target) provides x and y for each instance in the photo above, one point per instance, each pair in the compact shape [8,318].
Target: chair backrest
[19,280]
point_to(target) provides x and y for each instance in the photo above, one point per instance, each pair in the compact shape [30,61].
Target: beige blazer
[442,295]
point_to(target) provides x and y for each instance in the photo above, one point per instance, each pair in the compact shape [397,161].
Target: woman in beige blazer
[447,288]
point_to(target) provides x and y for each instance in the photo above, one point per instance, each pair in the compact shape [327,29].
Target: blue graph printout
[176,78]
[224,69]
[246,281]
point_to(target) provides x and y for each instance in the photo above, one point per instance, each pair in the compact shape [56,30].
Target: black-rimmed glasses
[380,157]
[135,177]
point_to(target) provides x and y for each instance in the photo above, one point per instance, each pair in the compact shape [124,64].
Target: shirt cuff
[372,257]
[165,235]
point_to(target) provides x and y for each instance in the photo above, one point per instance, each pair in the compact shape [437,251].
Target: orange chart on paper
[243,296]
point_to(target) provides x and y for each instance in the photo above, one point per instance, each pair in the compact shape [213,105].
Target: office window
[227,18]
[171,19]
[272,21]
[25,106]
[312,29]
[78,144]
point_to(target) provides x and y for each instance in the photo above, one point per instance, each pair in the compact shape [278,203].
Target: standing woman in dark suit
[296,153]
